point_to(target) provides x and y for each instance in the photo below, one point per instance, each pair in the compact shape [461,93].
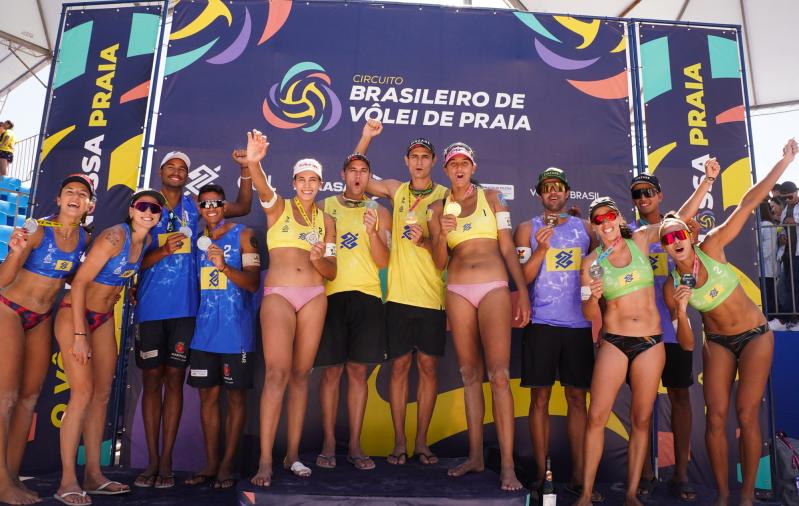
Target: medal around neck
[596,271]
[551,220]
[371,204]
[453,208]
[312,238]
[411,218]
[185,231]
[203,243]
[30,225]
[688,280]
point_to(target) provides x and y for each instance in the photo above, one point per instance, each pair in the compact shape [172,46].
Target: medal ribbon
[308,221]
[419,194]
[217,227]
[48,222]
[608,251]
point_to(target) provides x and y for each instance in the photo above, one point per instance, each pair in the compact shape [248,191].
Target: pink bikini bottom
[297,296]
[475,292]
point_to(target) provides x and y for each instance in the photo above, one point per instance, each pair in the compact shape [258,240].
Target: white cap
[176,154]
[308,164]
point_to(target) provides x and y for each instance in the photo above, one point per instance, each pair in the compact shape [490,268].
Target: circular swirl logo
[303,99]
[706,220]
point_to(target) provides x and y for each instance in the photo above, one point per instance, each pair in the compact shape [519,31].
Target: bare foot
[632,500]
[147,477]
[469,466]
[263,478]
[71,495]
[399,455]
[201,477]
[721,500]
[103,483]
[509,481]
[24,488]
[425,455]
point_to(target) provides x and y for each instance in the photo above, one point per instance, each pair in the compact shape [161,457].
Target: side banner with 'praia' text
[694,109]
[94,125]
[526,91]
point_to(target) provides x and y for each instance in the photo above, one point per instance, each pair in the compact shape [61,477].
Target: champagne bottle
[547,493]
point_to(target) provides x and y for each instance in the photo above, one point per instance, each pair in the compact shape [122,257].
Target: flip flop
[62,498]
[144,480]
[326,461]
[400,459]
[361,463]
[223,483]
[646,487]
[428,458]
[299,469]
[596,496]
[198,479]
[682,490]
[102,489]
[167,481]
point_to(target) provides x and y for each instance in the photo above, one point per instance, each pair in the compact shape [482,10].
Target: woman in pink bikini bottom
[472,229]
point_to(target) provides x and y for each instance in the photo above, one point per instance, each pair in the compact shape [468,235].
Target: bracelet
[245,177]
[223,269]
[711,179]
[81,334]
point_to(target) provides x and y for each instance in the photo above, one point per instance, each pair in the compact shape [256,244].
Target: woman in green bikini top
[737,338]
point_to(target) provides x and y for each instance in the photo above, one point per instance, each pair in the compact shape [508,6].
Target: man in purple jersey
[558,341]
[678,372]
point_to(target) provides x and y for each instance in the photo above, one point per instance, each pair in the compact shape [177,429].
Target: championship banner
[97,102]
[526,91]
[694,109]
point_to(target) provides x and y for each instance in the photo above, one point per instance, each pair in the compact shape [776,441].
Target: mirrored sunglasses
[672,237]
[608,216]
[153,207]
[210,204]
[644,192]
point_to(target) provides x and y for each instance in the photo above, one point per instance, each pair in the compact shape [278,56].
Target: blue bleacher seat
[10,183]
[19,220]
[5,233]
[8,208]
[3,250]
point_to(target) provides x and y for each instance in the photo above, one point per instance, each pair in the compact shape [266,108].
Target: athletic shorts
[415,328]
[164,342]
[355,330]
[5,155]
[678,372]
[550,352]
[231,370]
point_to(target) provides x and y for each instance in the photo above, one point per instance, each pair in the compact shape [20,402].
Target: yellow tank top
[412,276]
[481,224]
[287,233]
[356,269]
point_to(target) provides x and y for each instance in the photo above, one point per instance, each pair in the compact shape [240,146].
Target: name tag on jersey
[630,277]
[63,265]
[566,259]
[659,264]
[186,248]
[212,279]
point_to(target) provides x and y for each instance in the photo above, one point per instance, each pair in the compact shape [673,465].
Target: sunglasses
[672,237]
[608,216]
[551,187]
[210,204]
[147,206]
[644,192]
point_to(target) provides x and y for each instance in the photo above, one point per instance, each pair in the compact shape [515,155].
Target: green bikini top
[618,281]
[721,281]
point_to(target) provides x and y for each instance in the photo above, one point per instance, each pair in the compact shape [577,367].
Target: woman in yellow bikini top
[737,337]
[472,230]
[302,246]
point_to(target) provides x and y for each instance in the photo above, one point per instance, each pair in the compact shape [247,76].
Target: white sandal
[300,469]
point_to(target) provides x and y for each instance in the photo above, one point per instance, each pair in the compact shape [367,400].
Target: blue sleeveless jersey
[118,269]
[662,265]
[555,292]
[170,289]
[226,315]
[48,260]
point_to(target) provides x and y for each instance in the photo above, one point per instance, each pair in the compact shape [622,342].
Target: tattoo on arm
[253,241]
[113,236]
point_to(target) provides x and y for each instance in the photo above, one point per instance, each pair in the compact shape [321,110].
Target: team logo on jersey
[629,277]
[565,259]
[212,279]
[659,264]
[349,240]
[467,227]
[712,294]
[180,347]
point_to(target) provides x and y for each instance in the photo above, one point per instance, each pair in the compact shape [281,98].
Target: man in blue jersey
[224,341]
[167,300]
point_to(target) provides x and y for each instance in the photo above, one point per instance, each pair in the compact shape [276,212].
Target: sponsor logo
[406,232]
[563,259]
[349,240]
[148,354]
[507,190]
[199,373]
[303,99]
[467,227]
[180,347]
[566,259]
[200,177]
[226,370]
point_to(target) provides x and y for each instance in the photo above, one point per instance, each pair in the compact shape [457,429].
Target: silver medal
[30,225]
[203,243]
[185,231]
[596,271]
[312,238]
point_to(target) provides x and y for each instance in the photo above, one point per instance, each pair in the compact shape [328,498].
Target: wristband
[585,293]
[267,205]
[244,177]
[710,179]
[81,334]
[330,249]
[503,220]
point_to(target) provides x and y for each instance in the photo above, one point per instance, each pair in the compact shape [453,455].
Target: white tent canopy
[28,31]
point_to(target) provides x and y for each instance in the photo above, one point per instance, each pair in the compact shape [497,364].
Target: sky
[771,127]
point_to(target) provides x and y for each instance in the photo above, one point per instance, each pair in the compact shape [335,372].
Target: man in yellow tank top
[355,327]
[415,319]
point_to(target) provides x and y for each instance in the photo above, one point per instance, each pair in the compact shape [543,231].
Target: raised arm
[691,206]
[243,203]
[271,202]
[729,230]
